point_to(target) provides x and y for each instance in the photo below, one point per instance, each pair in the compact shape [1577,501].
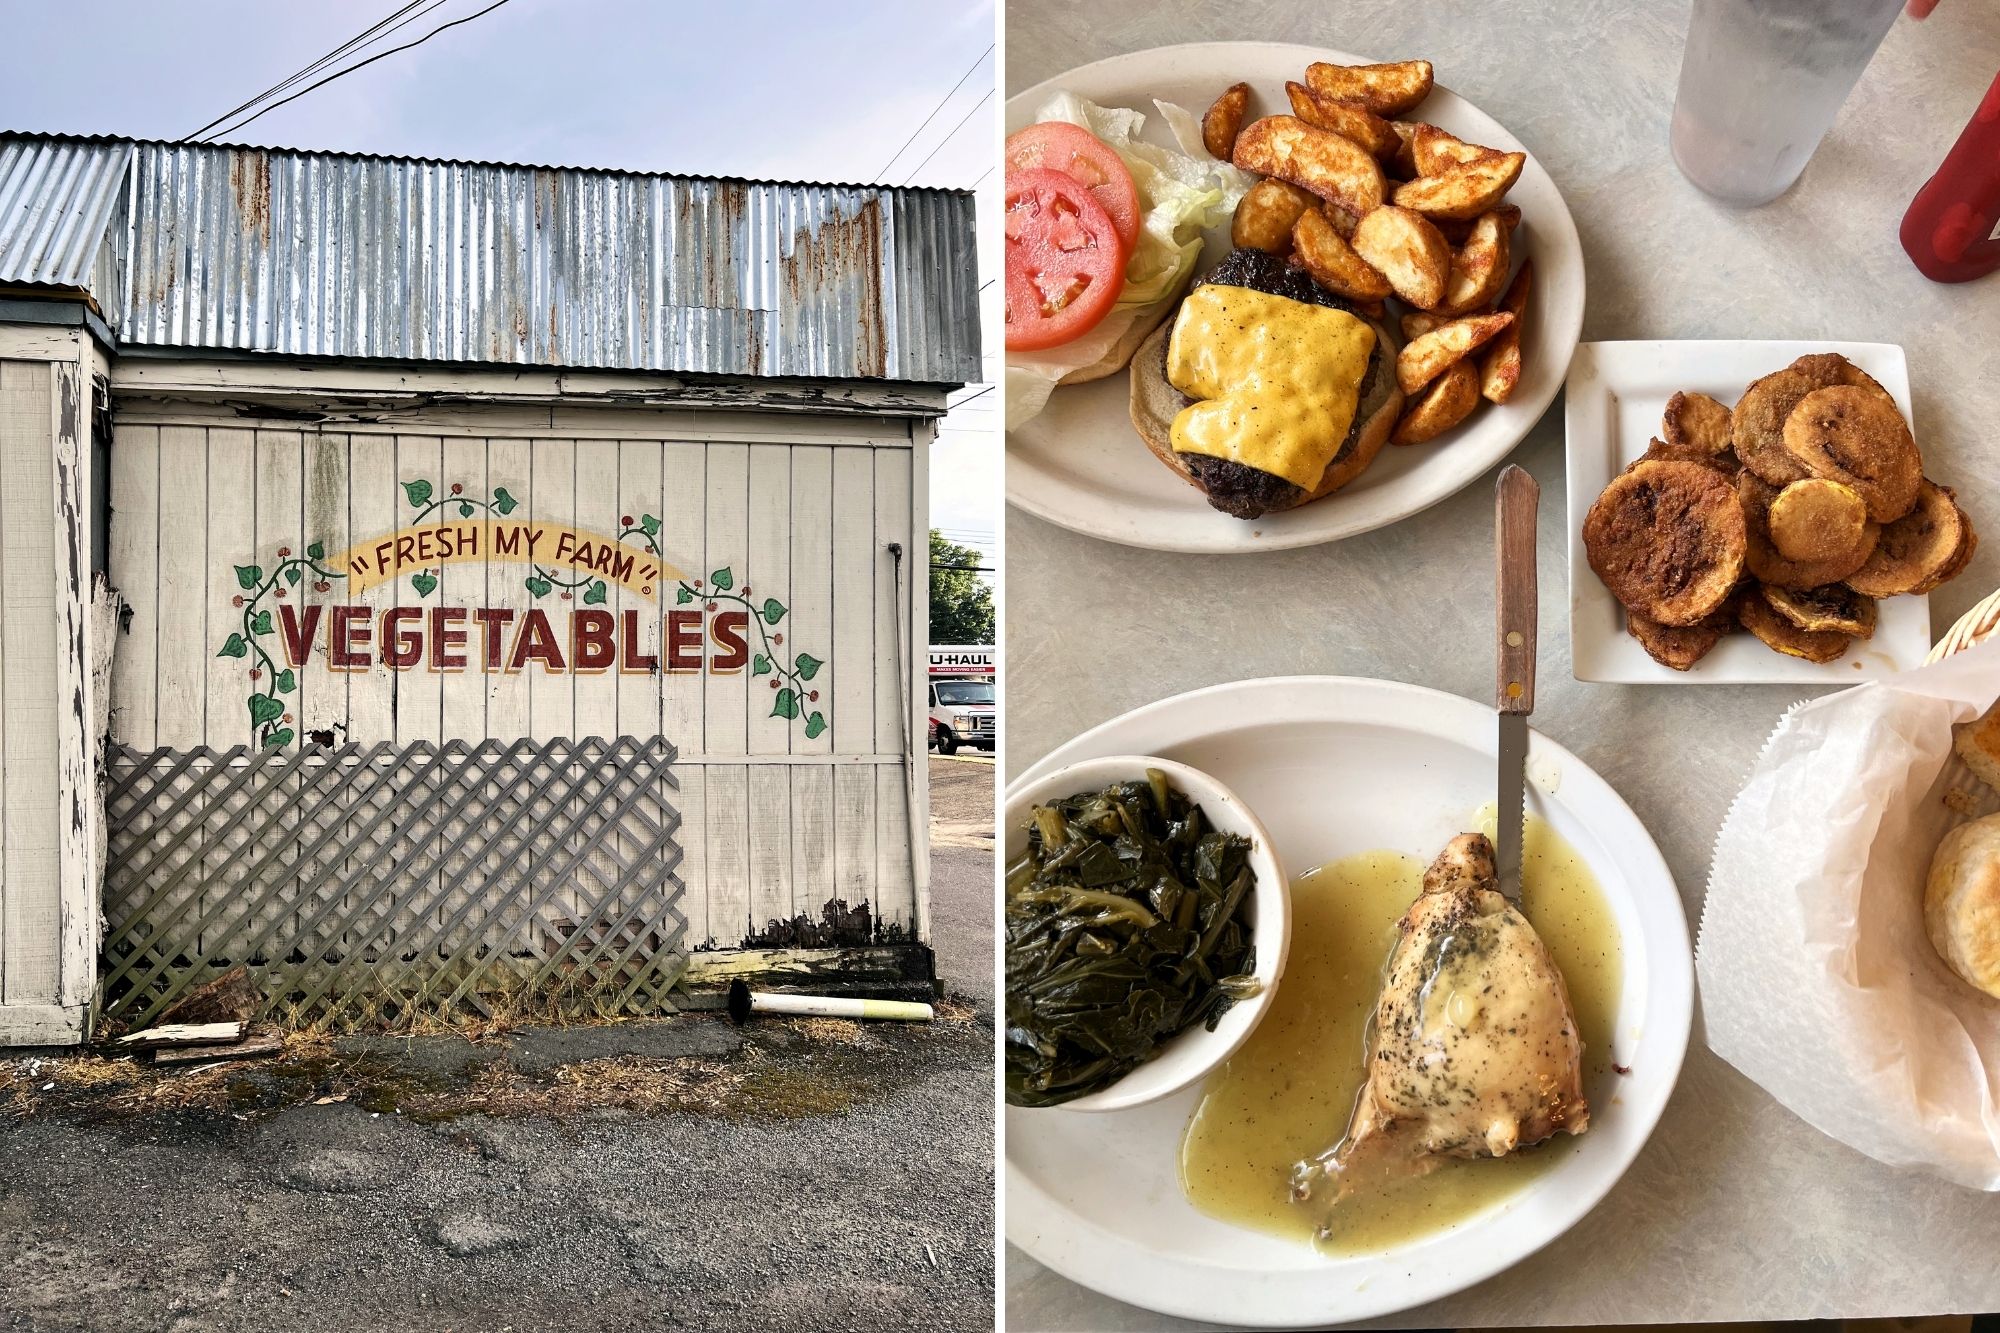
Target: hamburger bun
[1120,353]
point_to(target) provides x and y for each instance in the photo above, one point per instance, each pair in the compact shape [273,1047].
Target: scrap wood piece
[182,1034]
[231,996]
[259,1041]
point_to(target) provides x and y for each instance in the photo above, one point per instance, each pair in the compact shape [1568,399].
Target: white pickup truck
[963,706]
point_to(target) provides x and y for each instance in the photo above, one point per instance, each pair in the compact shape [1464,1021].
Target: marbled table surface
[1736,1209]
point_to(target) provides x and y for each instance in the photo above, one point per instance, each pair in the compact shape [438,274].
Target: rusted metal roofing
[327,254]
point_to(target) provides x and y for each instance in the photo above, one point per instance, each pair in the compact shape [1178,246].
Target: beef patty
[1237,488]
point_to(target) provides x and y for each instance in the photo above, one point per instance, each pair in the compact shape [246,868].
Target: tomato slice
[1057,145]
[1065,263]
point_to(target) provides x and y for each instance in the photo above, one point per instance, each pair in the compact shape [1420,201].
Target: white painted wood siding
[798,508]
[48,903]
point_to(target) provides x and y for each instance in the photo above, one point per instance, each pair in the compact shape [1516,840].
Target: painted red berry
[255,673]
[711,606]
[457,488]
[777,638]
[774,683]
[288,717]
[746,590]
[281,592]
[697,583]
[565,597]
[237,600]
[284,550]
[814,696]
[626,520]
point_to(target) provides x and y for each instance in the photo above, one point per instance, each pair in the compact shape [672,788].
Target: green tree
[961,601]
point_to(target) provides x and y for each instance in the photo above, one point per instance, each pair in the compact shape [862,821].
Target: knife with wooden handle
[1515,500]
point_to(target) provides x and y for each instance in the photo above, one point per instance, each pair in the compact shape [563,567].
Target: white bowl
[1191,1054]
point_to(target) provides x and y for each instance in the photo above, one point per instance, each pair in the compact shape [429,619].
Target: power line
[363,64]
[953,407]
[350,44]
[933,115]
[982,176]
[948,138]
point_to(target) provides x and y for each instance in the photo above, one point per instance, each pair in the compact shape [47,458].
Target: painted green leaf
[760,665]
[815,725]
[723,579]
[265,708]
[684,596]
[235,647]
[504,502]
[278,738]
[249,576]
[807,666]
[774,610]
[293,574]
[649,525]
[287,681]
[317,551]
[786,704]
[541,587]
[261,623]
[595,597]
[419,493]
[465,509]
[424,582]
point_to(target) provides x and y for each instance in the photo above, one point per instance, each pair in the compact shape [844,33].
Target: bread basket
[1972,627]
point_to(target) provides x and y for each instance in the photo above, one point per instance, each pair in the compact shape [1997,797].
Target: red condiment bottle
[1952,230]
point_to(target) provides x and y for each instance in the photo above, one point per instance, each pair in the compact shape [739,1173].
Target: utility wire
[952,407]
[933,115]
[362,64]
[350,44]
[948,138]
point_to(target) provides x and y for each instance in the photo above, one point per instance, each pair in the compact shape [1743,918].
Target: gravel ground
[829,1178]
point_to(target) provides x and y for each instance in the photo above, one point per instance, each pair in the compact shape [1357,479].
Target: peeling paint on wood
[838,926]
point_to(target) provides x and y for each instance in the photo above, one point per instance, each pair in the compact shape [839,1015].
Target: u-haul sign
[960,660]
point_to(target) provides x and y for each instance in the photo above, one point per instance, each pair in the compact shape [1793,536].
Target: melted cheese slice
[1278,379]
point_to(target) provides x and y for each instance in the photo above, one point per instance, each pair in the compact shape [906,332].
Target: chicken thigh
[1473,1051]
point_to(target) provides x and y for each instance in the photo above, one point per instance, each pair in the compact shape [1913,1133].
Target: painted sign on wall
[712,626]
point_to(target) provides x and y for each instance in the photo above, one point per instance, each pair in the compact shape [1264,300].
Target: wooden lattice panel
[368,885]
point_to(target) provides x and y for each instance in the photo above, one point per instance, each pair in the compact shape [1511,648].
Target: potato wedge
[1266,214]
[1224,120]
[1424,359]
[1479,269]
[1386,90]
[1407,250]
[1435,151]
[1357,123]
[1466,190]
[1448,401]
[1343,221]
[1419,322]
[1331,165]
[1458,230]
[1332,262]
[1500,367]
[1400,163]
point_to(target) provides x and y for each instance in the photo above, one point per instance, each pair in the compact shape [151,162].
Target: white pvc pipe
[834,1006]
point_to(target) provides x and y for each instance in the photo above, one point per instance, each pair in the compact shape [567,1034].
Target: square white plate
[1615,394]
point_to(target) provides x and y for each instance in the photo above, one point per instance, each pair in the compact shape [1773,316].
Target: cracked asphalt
[867,1205]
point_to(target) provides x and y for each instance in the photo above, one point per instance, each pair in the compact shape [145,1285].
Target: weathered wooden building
[446,585]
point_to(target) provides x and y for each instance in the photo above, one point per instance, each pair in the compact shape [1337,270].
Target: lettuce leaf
[1181,194]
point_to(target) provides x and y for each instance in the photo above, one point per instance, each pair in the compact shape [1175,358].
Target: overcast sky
[793,90]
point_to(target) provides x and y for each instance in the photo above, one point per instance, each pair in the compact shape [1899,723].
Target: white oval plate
[1334,766]
[1080,464]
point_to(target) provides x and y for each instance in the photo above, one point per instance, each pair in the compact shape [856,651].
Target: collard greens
[1125,925]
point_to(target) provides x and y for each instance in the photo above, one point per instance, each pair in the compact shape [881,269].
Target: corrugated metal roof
[57,198]
[326,254]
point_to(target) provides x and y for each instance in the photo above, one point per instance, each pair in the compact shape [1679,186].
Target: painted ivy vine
[271,719]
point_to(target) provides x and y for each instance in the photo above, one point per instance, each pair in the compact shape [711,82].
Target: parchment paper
[1817,979]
